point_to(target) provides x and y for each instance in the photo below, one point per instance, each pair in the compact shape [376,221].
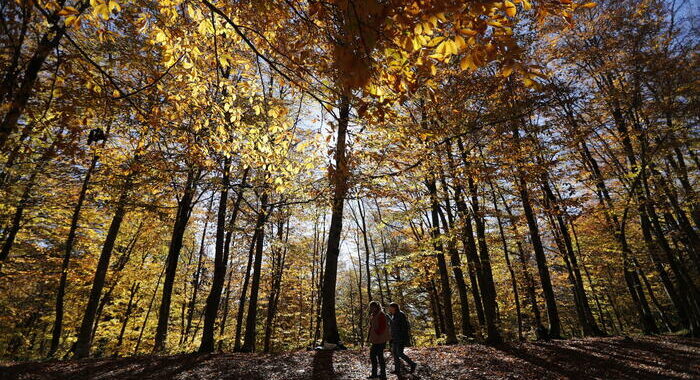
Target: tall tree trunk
[363,230]
[540,258]
[82,346]
[594,292]
[68,249]
[149,308]
[277,273]
[184,210]
[588,323]
[250,326]
[244,290]
[120,264]
[506,254]
[17,102]
[15,224]
[438,319]
[339,180]
[455,261]
[133,291]
[227,247]
[451,337]
[631,277]
[197,274]
[470,250]
[524,259]
[220,261]
[48,42]
[488,288]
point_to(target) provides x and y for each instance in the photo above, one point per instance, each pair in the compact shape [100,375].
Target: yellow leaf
[418,29]
[435,41]
[459,41]
[113,5]
[160,36]
[115,93]
[510,8]
[102,10]
[468,32]
[588,5]
[72,21]
[467,63]
[68,11]
[506,71]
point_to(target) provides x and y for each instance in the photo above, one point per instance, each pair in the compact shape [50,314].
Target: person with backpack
[400,337]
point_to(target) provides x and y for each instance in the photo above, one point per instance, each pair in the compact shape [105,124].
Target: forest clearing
[305,188]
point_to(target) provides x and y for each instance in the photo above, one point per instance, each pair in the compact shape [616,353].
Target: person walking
[400,337]
[377,335]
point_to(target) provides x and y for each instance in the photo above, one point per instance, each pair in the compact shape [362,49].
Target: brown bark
[82,346]
[339,181]
[184,210]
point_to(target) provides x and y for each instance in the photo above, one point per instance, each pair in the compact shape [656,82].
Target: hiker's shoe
[413,367]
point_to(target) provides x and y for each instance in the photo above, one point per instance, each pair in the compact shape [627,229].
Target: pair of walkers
[382,329]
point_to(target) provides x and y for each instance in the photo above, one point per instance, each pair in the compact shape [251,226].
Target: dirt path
[602,358]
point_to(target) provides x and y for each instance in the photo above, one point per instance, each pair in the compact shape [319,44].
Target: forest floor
[595,358]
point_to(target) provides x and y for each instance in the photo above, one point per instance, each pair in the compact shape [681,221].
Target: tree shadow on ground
[322,366]
[589,361]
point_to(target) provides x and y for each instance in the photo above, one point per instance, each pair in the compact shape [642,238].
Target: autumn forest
[196,176]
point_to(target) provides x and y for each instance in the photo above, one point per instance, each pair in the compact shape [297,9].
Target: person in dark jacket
[400,337]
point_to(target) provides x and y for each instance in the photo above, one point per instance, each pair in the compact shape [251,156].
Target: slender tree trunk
[456,263]
[250,328]
[339,179]
[438,320]
[506,254]
[451,337]
[15,224]
[488,288]
[244,290]
[631,278]
[277,272]
[227,246]
[148,310]
[127,314]
[48,42]
[181,219]
[655,301]
[540,258]
[363,229]
[358,275]
[220,261]
[588,323]
[82,346]
[198,272]
[120,264]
